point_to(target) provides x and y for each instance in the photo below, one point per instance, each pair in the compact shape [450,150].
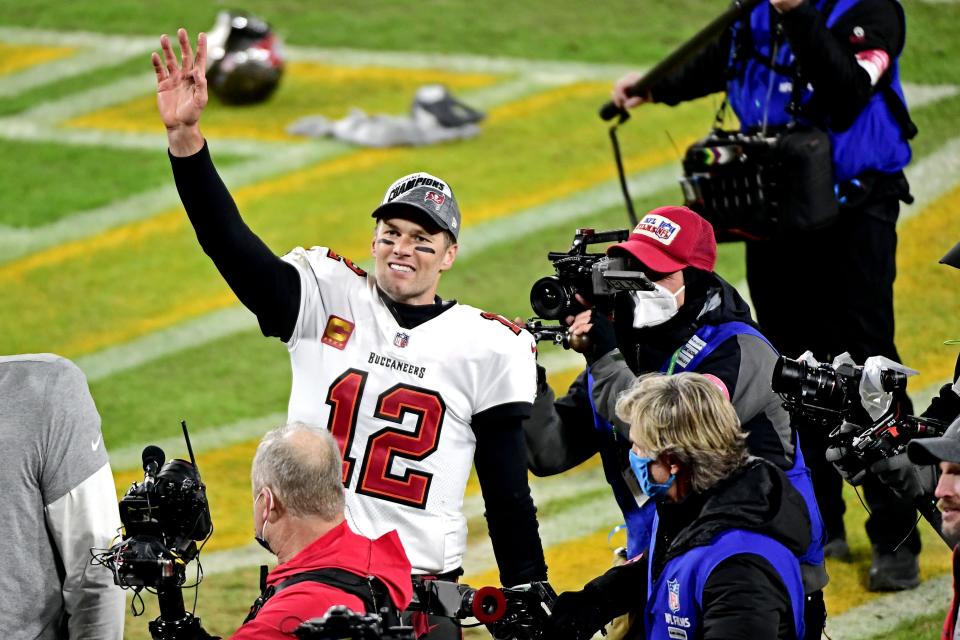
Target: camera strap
[370,590]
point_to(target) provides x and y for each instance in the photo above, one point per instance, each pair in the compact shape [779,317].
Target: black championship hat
[427,193]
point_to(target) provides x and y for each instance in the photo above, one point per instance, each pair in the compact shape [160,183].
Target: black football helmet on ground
[245,59]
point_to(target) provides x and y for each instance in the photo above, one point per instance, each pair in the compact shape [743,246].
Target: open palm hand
[181,88]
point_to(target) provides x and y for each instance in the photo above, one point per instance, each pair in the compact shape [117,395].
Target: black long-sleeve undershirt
[270,288]
[501,463]
[264,283]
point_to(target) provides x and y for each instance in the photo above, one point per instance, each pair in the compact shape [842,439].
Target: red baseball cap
[669,239]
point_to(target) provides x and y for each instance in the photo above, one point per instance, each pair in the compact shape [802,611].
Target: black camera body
[830,397]
[163,518]
[824,393]
[341,623]
[757,186]
[594,276]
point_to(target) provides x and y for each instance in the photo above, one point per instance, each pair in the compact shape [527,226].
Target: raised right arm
[264,283]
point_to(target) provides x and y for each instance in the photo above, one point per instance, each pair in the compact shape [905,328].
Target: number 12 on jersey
[389,443]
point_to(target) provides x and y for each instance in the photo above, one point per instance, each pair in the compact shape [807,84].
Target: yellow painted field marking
[926,301]
[570,564]
[18,57]
[173,221]
[307,89]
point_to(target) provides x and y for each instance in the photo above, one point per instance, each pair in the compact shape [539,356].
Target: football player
[414,388]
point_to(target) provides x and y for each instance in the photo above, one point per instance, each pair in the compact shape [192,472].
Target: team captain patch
[337,333]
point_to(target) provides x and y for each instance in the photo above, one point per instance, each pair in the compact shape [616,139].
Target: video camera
[163,517]
[516,613]
[830,397]
[594,276]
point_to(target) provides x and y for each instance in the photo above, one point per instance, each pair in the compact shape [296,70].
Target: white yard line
[127,458]
[931,178]
[193,333]
[101,50]
[18,242]
[880,616]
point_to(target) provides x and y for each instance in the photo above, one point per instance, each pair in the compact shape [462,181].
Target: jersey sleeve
[509,379]
[325,278]
[80,504]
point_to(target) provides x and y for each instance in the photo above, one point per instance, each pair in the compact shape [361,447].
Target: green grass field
[98,261]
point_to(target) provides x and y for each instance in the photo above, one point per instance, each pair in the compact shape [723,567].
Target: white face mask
[651,308]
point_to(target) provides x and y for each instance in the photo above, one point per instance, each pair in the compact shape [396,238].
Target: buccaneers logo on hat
[436,198]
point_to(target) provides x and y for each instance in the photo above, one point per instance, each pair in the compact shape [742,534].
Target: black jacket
[744,597]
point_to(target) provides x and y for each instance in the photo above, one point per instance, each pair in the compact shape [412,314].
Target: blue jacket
[752,512]
[874,142]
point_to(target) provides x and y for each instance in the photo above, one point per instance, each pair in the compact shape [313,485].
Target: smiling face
[409,259]
[948,492]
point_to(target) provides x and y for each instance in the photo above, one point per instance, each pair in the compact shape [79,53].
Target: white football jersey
[400,401]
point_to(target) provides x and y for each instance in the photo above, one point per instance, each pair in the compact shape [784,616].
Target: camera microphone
[153,458]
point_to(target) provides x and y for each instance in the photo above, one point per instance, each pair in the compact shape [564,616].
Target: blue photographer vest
[874,142]
[638,512]
[688,358]
[639,517]
[675,599]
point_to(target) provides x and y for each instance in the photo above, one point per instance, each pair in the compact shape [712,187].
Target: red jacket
[340,548]
[951,622]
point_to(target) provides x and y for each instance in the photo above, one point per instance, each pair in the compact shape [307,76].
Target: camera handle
[684,53]
[174,623]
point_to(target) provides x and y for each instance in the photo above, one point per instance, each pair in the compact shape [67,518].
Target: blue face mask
[641,469]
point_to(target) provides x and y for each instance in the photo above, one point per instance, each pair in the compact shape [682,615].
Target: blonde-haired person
[728,527]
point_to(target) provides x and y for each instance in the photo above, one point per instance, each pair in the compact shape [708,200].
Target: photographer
[945,453]
[729,527]
[833,65]
[59,500]
[693,321]
[298,516]
[909,481]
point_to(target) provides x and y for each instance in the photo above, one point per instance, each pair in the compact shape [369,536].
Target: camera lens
[891,380]
[788,375]
[549,298]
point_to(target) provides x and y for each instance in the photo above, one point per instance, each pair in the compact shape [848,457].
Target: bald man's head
[301,465]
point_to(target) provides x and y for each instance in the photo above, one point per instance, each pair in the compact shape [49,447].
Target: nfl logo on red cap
[658,227]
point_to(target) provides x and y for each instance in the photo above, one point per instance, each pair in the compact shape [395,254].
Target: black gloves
[908,480]
[602,337]
[577,615]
